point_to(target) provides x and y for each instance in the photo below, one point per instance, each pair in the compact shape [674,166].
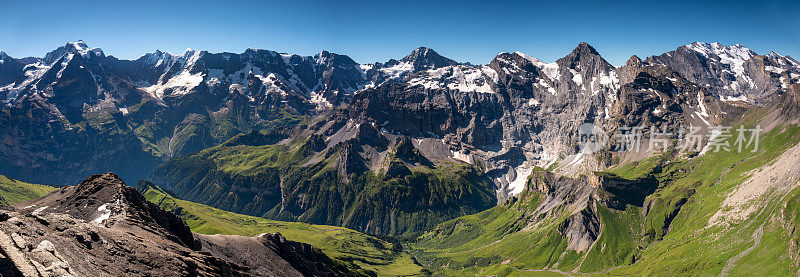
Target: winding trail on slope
[732,262]
[769,205]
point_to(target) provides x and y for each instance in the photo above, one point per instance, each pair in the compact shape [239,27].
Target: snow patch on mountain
[32,73]
[320,101]
[742,98]
[81,48]
[608,81]
[472,79]
[398,70]
[181,84]
[461,156]
[517,184]
[458,77]
[549,69]
[703,112]
[271,84]
[105,214]
[732,55]
[546,86]
[158,58]
[776,70]
[577,78]
[191,56]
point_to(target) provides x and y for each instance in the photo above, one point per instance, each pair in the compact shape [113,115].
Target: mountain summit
[426,58]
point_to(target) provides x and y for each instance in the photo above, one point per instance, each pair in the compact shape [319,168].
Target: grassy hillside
[14,191]
[687,226]
[305,181]
[340,243]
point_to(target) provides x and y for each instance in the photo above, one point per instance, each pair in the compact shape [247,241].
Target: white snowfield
[105,213]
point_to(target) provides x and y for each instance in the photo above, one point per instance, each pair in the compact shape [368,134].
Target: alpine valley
[269,164]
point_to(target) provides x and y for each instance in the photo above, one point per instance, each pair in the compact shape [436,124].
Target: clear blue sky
[369,31]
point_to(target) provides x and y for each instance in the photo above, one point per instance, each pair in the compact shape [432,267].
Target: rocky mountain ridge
[102,227]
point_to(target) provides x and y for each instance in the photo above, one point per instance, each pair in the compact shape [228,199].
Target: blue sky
[369,31]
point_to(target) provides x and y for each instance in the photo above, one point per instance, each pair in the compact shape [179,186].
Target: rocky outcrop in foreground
[102,227]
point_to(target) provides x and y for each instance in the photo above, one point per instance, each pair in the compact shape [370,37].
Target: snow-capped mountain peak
[732,52]
[549,69]
[188,51]
[79,45]
[79,48]
[157,58]
[84,50]
[528,57]
[190,57]
[732,55]
[424,57]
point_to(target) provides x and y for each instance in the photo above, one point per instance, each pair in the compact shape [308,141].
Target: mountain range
[452,157]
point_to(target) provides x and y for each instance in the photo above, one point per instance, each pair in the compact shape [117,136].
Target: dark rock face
[10,69]
[102,227]
[659,97]
[581,229]
[580,199]
[616,192]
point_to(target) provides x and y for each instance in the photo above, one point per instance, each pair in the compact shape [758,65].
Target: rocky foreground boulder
[102,227]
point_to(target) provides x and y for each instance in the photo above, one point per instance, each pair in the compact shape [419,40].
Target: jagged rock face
[417,112]
[35,147]
[733,72]
[656,96]
[581,229]
[618,192]
[514,113]
[509,115]
[559,196]
[102,227]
